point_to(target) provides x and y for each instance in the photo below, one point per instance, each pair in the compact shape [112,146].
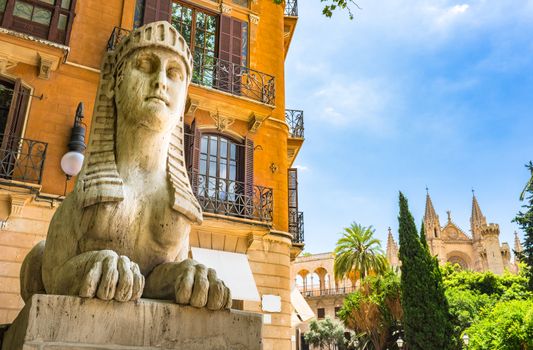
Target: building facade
[241,140]
[480,251]
[313,276]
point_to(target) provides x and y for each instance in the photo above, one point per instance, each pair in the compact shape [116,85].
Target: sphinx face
[151,89]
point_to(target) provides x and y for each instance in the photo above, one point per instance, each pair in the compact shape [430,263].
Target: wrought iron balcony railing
[221,75]
[237,80]
[329,291]
[22,159]
[295,120]
[233,198]
[116,37]
[296,226]
[291,8]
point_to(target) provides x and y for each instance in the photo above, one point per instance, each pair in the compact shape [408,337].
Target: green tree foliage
[423,238]
[332,5]
[426,317]
[508,326]
[525,221]
[358,253]
[325,334]
[473,295]
[374,311]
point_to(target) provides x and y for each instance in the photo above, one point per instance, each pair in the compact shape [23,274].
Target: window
[337,309]
[20,159]
[199,29]
[47,19]
[243,3]
[219,167]
[320,313]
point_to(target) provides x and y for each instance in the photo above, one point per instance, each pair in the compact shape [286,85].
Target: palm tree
[358,253]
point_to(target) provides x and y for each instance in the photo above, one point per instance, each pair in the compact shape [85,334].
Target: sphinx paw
[198,286]
[110,276]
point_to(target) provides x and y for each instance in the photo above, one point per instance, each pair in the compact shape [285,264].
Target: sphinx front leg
[102,274]
[188,283]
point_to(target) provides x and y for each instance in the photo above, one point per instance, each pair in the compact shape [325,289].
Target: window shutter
[14,124]
[17,110]
[187,142]
[195,156]
[248,166]
[71,16]
[157,10]
[230,54]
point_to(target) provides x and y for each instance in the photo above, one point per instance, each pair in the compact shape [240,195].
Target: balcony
[237,80]
[22,159]
[313,293]
[116,37]
[220,75]
[295,120]
[296,226]
[289,23]
[291,8]
[232,198]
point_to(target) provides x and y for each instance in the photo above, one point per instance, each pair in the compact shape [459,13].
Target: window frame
[239,158]
[53,33]
[196,8]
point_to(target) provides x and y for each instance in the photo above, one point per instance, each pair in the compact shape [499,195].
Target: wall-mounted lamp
[72,161]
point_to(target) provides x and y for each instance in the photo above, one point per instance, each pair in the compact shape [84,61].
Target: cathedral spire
[517,245]
[430,214]
[392,250]
[477,217]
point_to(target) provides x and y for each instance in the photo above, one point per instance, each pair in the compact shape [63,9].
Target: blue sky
[412,93]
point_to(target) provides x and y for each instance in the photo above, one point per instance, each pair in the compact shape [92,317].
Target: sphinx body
[123,232]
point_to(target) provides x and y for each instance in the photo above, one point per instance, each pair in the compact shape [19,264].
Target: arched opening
[302,277]
[321,282]
[459,258]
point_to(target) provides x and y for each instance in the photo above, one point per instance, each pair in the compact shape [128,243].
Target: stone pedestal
[56,322]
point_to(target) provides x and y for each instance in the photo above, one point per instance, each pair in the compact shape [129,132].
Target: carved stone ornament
[222,123]
[123,232]
[254,19]
[6,63]
[225,9]
[45,66]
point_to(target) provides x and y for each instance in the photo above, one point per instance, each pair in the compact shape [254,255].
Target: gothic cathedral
[479,252]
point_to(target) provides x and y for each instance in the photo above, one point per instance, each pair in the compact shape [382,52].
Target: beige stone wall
[27,225]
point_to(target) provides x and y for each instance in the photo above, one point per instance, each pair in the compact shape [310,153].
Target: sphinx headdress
[99,180]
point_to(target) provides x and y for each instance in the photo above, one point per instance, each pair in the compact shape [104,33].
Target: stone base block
[56,322]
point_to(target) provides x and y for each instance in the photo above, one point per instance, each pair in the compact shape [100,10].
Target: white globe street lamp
[399,342]
[466,339]
[72,161]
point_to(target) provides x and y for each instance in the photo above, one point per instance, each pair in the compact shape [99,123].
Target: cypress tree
[423,238]
[426,318]
[525,221]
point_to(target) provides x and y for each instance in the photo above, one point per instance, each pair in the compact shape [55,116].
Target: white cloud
[448,16]
[357,104]
[301,167]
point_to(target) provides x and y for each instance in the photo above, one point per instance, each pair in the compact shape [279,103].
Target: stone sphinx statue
[123,232]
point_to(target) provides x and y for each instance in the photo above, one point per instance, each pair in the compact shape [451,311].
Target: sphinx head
[143,83]
[151,77]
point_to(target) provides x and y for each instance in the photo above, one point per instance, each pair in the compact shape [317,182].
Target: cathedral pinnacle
[517,245]
[430,214]
[477,217]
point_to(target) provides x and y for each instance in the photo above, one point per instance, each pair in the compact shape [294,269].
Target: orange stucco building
[241,141]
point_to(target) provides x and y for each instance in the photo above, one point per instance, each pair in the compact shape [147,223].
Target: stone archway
[459,258]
